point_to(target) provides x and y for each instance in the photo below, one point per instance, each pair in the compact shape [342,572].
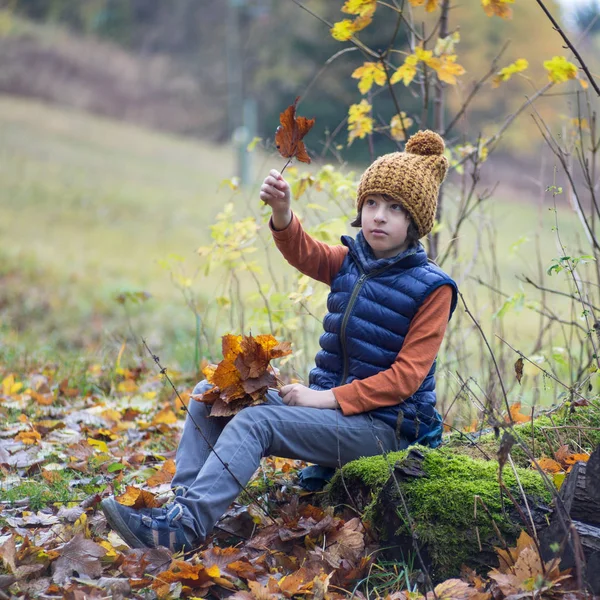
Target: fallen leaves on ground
[562,463]
[522,572]
[121,439]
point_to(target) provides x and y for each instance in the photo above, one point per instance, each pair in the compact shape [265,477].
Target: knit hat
[412,177]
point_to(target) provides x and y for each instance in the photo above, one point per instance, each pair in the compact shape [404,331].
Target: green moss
[372,471]
[441,504]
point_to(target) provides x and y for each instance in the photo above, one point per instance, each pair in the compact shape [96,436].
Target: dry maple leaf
[137,498]
[289,135]
[28,437]
[453,589]
[548,465]
[79,556]
[244,376]
[521,569]
[517,415]
[196,577]
[166,417]
[164,475]
[567,459]
[519,369]
[349,541]
[231,562]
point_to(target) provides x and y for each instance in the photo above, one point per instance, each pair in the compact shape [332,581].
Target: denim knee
[254,419]
[201,387]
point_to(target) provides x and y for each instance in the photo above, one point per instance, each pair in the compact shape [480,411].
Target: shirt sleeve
[404,377]
[311,257]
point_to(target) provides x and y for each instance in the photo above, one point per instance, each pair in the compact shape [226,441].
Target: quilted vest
[370,307]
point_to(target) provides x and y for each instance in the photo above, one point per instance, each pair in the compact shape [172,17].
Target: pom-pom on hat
[412,177]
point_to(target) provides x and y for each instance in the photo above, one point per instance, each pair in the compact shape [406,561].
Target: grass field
[88,208]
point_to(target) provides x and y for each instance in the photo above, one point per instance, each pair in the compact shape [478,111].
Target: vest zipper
[357,287]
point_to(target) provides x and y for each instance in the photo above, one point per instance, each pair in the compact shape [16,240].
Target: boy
[373,385]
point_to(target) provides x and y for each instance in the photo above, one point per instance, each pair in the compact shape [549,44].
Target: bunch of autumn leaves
[244,375]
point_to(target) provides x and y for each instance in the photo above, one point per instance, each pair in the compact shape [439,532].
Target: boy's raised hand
[275,191]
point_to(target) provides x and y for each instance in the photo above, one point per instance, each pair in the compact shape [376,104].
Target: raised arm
[311,257]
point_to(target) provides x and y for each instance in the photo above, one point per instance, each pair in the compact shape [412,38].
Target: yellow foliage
[560,69]
[362,8]
[360,122]
[128,386]
[28,437]
[447,68]
[406,73]
[506,73]
[444,65]
[213,571]
[424,55]
[446,44]
[98,444]
[369,74]
[396,129]
[112,414]
[10,386]
[430,5]
[498,8]
[469,149]
[166,416]
[111,553]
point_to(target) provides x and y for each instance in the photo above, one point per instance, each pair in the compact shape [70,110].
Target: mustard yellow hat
[412,177]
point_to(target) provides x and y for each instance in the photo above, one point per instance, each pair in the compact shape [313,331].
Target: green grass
[89,206]
[41,493]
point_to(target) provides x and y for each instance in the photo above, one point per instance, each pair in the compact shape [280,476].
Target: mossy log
[449,500]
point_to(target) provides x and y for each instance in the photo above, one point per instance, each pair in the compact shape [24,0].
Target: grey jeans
[322,436]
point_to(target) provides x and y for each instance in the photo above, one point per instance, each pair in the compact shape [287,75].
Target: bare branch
[571,46]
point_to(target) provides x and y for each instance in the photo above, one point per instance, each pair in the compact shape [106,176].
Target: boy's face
[385,225]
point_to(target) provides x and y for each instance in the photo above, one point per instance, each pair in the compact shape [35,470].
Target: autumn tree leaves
[431,58]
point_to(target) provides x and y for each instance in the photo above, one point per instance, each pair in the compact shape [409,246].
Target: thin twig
[547,373]
[491,354]
[476,87]
[557,292]
[364,48]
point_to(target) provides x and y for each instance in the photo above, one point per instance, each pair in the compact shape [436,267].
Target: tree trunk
[581,512]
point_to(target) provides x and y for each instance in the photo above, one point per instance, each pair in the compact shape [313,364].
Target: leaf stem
[285,166]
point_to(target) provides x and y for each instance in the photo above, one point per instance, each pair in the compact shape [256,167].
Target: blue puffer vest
[370,307]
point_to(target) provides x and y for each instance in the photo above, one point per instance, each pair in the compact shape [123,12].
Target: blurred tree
[288,57]
[587,17]
[284,47]
[530,36]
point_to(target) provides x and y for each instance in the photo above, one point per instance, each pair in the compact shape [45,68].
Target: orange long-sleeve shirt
[421,344]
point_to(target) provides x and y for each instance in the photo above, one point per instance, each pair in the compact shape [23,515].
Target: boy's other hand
[275,191]
[299,395]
